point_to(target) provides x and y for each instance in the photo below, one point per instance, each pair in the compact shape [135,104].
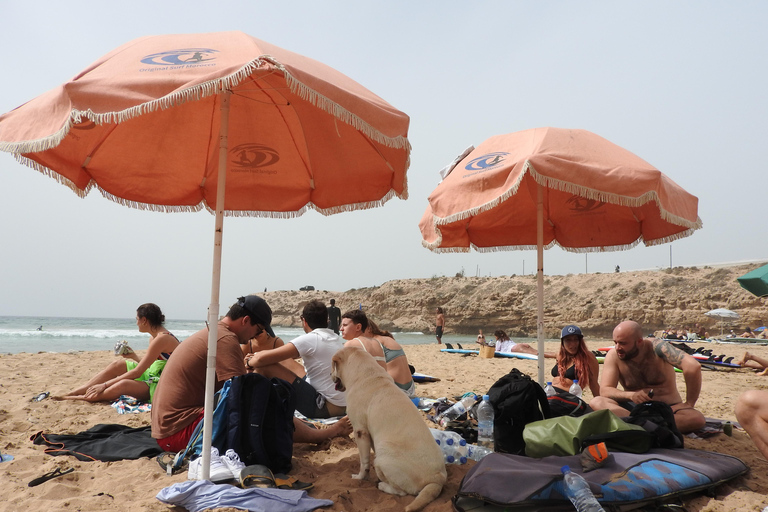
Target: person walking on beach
[334,317]
[645,368]
[131,375]
[439,325]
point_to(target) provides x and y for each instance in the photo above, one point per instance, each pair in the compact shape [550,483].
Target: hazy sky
[681,84]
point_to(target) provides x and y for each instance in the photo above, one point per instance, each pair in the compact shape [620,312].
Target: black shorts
[439,331]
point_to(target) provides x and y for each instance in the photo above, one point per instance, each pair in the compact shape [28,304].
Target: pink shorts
[178,441]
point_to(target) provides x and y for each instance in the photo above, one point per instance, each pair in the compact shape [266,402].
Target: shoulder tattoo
[668,353]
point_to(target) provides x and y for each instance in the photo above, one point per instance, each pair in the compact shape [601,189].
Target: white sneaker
[219,471]
[232,460]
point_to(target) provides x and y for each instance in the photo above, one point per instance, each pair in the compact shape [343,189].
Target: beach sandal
[170,464]
[258,476]
[53,474]
[290,482]
[41,396]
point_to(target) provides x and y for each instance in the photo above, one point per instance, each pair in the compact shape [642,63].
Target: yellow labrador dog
[407,459]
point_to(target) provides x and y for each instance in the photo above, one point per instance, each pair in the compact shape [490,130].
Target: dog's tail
[425,497]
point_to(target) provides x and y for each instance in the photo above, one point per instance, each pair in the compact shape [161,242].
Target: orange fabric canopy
[596,196]
[142,125]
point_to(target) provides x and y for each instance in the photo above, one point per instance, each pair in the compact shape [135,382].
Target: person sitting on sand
[354,327]
[394,355]
[645,368]
[315,391]
[747,333]
[504,345]
[575,361]
[752,361]
[752,413]
[133,376]
[263,341]
[180,394]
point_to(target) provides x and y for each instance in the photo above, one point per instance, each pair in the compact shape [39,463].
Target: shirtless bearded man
[645,369]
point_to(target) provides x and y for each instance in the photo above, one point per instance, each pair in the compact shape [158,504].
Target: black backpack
[260,421]
[658,419]
[517,400]
[564,403]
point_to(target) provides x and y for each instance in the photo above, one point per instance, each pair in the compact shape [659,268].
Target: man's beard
[629,354]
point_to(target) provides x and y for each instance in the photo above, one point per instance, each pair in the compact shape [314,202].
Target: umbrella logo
[253,156]
[486,162]
[584,205]
[180,57]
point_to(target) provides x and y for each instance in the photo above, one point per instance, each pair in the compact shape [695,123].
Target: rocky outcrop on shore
[676,297]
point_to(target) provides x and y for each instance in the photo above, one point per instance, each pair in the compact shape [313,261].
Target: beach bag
[564,403]
[567,435]
[260,421]
[658,419]
[517,400]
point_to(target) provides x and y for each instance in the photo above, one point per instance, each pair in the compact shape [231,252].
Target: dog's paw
[363,475]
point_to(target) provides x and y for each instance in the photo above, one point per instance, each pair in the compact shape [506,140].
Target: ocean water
[34,334]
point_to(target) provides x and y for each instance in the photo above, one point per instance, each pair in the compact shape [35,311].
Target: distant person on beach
[354,324]
[747,333]
[439,325]
[645,368]
[131,375]
[752,413]
[180,395]
[504,345]
[575,361]
[334,317]
[752,361]
[315,391]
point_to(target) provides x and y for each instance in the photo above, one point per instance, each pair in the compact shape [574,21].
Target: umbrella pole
[540,279]
[213,308]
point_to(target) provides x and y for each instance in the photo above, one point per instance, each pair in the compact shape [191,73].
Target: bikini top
[377,358]
[164,356]
[570,373]
[390,354]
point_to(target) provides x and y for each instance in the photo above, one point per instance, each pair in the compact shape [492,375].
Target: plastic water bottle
[575,388]
[549,389]
[456,410]
[447,438]
[485,423]
[578,491]
[457,454]
[475,452]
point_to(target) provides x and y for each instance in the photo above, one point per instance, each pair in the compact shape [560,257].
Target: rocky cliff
[657,299]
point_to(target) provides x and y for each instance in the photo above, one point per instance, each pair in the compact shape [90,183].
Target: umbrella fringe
[51,174]
[582,191]
[204,90]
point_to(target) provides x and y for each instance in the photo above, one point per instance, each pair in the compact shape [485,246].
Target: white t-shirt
[317,348]
[505,347]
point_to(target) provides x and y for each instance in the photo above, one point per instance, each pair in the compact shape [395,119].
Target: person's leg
[527,349]
[113,369]
[306,434]
[753,361]
[280,371]
[135,388]
[752,413]
[688,419]
[601,402]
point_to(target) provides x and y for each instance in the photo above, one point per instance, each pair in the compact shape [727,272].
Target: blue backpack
[259,423]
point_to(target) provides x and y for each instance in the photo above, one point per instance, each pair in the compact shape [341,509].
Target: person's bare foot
[341,428]
[746,357]
[763,373]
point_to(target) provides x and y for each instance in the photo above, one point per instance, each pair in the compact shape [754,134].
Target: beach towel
[104,442]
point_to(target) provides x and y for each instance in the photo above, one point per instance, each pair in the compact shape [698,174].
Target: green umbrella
[755,281]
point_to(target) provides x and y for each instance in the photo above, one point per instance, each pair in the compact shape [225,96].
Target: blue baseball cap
[571,329]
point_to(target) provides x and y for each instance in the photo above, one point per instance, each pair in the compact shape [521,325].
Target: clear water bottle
[456,410]
[458,454]
[549,389]
[578,491]
[575,388]
[447,437]
[475,452]
[485,423]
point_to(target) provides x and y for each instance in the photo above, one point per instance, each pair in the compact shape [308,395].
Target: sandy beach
[133,484]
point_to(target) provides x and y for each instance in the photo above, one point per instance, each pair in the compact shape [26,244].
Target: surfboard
[516,355]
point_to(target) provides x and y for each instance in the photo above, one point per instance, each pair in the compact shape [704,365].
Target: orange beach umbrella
[545,186]
[221,121]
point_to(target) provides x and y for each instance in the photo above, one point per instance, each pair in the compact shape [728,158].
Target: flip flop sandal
[168,461]
[41,396]
[290,482]
[257,475]
[53,474]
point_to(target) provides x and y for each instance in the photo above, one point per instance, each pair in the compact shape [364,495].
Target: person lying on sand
[752,361]
[132,376]
[645,369]
[507,346]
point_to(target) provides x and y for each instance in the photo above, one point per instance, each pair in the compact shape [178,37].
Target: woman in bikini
[354,327]
[575,361]
[133,376]
[395,359]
